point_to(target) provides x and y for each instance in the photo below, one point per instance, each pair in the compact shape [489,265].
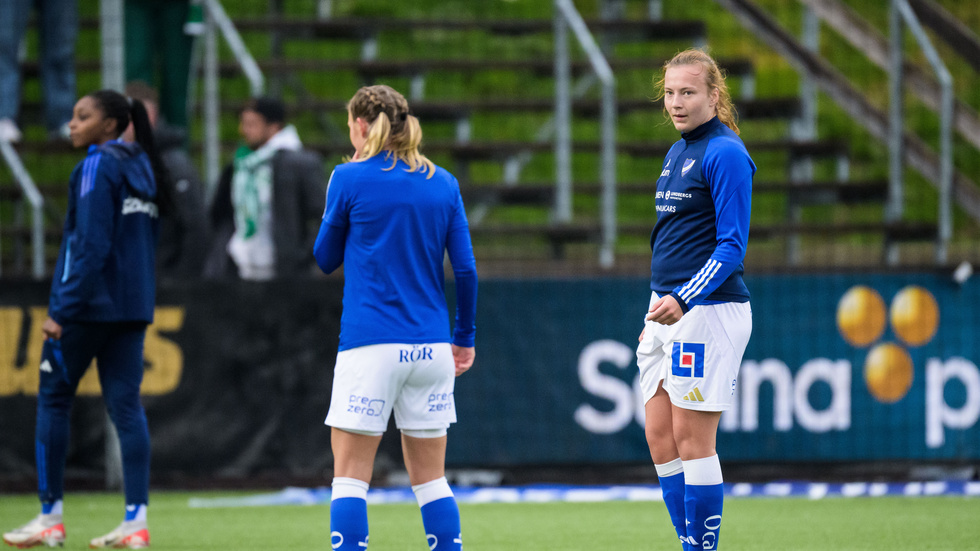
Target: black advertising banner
[237,381]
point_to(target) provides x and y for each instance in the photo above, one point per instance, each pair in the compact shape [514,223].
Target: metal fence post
[803,127]
[563,121]
[112,27]
[944,215]
[34,197]
[212,134]
[896,142]
[566,10]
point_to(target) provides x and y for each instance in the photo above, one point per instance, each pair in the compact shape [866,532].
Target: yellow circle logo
[914,315]
[888,372]
[861,315]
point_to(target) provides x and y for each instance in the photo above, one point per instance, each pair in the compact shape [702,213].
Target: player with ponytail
[390,128]
[102,299]
[391,215]
[699,318]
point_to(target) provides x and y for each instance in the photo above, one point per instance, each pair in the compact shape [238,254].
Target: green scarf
[251,182]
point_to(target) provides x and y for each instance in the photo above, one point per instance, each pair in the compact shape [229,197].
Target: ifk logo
[687,359]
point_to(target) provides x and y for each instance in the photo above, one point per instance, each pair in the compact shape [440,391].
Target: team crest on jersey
[687,359]
[688,164]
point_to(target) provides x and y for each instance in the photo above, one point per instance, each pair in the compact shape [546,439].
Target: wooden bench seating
[372,69]
[497,150]
[559,235]
[445,110]
[800,193]
[360,28]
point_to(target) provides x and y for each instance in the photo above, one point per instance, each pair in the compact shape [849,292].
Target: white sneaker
[128,535]
[9,131]
[43,530]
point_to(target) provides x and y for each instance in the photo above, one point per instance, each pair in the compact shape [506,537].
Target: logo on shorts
[440,401]
[687,359]
[415,354]
[694,396]
[365,406]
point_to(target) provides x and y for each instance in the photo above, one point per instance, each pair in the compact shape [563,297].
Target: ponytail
[119,108]
[378,134]
[143,132]
[391,128]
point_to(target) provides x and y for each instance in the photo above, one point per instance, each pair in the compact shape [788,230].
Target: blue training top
[390,229]
[106,266]
[704,198]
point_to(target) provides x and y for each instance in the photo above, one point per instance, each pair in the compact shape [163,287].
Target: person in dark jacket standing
[264,212]
[102,299]
[184,229]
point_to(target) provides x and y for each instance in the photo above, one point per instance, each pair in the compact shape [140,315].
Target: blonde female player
[391,215]
[699,318]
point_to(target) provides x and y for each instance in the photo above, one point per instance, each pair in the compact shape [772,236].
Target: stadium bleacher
[475,129]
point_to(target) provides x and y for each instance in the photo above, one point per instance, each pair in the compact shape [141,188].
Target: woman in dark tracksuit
[699,317]
[102,298]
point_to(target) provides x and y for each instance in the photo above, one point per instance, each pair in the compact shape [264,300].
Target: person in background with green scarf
[264,212]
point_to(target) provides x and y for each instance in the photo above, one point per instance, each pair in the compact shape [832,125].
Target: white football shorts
[414,380]
[698,357]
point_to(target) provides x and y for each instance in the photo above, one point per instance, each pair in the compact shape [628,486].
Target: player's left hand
[463,356]
[51,329]
[665,311]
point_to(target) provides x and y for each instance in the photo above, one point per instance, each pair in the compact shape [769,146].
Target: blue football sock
[672,485]
[135,511]
[703,500]
[348,514]
[440,515]
[52,507]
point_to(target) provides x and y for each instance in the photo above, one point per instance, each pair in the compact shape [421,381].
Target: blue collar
[93,148]
[701,131]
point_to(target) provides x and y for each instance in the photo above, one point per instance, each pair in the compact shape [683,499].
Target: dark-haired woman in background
[102,299]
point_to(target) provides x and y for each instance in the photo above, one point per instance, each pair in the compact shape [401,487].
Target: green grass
[796,524]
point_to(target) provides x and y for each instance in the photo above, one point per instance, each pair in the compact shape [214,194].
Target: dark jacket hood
[135,165]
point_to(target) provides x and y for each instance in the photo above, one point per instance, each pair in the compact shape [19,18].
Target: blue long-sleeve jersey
[704,197]
[391,228]
[105,270]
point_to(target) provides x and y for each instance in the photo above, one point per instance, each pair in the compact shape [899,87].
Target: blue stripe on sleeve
[89,171]
[730,170]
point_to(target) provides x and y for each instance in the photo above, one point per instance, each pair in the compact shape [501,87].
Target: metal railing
[902,17]
[216,20]
[567,17]
[34,197]
[914,152]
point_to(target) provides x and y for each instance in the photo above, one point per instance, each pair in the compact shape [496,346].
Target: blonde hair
[391,128]
[713,77]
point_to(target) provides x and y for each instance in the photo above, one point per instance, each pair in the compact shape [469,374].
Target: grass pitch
[892,523]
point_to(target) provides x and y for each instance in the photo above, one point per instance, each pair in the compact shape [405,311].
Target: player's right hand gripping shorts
[416,381]
[698,357]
